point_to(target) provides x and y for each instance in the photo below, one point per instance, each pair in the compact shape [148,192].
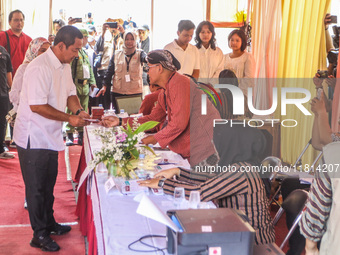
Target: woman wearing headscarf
[238,186]
[36,47]
[186,131]
[124,75]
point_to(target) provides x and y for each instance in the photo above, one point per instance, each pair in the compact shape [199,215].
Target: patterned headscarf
[165,58]
[33,49]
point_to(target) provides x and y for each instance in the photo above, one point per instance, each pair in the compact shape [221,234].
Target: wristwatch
[161,182]
[120,121]
[80,110]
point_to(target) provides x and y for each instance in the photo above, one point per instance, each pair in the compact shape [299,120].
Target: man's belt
[84,82]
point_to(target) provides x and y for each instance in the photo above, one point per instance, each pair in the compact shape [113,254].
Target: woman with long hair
[211,56]
[239,60]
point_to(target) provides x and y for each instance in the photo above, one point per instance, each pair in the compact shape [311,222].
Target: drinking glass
[194,199]
[179,196]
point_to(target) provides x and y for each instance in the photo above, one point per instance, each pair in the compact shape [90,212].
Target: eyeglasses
[147,68]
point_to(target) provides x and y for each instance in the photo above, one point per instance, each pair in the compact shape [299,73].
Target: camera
[323,74]
[112,24]
[78,20]
[334,19]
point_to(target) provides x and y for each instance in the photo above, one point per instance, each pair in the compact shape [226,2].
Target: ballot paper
[93,92]
[149,209]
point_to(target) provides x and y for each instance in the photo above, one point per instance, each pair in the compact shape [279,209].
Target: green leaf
[146,126]
[135,153]
[149,149]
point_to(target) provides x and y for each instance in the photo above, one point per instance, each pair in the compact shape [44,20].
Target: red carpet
[15,230]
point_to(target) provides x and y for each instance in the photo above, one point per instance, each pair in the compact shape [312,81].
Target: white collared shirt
[189,58]
[212,63]
[46,81]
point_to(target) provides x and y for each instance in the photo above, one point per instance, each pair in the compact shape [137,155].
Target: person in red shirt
[150,100]
[188,132]
[18,40]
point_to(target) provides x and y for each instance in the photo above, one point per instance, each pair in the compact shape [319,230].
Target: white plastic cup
[194,199]
[179,196]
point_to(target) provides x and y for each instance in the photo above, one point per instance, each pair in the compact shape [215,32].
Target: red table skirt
[84,209]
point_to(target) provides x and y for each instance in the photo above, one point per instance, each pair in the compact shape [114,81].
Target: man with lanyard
[83,78]
[46,91]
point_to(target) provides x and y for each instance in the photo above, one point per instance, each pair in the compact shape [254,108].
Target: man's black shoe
[60,229]
[45,243]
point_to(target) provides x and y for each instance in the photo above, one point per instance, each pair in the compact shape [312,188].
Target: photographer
[105,47]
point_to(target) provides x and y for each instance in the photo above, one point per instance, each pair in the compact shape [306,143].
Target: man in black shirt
[5,85]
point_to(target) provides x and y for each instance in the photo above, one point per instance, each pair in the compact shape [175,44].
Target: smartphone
[334,19]
[323,74]
[112,24]
[78,20]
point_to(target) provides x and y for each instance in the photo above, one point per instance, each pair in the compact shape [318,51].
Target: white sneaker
[6,155]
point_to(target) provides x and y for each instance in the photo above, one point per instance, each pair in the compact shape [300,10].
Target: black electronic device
[78,20]
[112,24]
[323,74]
[334,19]
[210,231]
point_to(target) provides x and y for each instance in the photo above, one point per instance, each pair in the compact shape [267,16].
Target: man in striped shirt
[320,216]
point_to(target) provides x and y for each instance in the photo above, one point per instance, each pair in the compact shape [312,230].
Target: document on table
[149,209]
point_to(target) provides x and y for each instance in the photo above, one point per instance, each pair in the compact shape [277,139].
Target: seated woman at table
[239,148]
[186,131]
[150,101]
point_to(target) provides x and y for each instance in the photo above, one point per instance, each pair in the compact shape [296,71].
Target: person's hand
[149,140]
[93,86]
[317,81]
[311,247]
[104,28]
[151,183]
[101,91]
[331,81]
[110,121]
[327,20]
[120,28]
[169,173]
[76,121]
[84,115]
[318,105]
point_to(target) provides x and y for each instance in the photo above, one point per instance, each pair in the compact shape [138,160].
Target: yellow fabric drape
[302,53]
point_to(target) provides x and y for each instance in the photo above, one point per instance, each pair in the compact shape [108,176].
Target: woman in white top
[35,48]
[240,61]
[211,57]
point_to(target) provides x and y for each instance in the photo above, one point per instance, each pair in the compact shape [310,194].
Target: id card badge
[127,78]
[86,72]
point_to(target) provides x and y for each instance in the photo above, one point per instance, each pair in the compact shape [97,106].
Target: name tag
[127,78]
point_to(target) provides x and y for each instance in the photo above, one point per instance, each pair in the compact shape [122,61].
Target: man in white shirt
[186,53]
[47,89]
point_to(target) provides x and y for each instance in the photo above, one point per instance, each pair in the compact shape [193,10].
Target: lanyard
[128,61]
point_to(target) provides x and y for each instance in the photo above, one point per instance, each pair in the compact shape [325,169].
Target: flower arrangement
[120,152]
